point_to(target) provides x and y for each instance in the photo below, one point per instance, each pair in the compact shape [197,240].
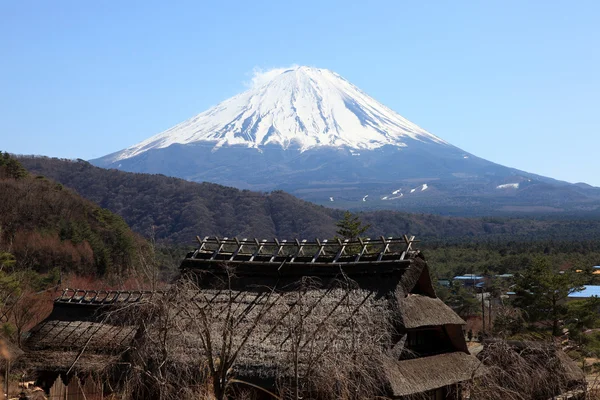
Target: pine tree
[351,227]
[542,292]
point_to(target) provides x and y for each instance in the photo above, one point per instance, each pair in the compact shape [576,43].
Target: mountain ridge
[176,210]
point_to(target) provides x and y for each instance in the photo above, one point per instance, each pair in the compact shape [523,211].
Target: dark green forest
[177,210]
[173,211]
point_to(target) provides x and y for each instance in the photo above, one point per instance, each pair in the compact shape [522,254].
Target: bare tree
[223,322]
[326,342]
[335,342]
[28,310]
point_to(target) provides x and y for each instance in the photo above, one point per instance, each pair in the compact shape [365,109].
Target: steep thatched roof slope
[79,335]
[418,311]
[63,361]
[94,336]
[423,374]
[329,321]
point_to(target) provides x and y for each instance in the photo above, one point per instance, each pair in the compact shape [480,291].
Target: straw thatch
[422,374]
[333,320]
[63,361]
[418,311]
[66,335]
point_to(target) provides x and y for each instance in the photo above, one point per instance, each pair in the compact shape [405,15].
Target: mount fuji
[312,133]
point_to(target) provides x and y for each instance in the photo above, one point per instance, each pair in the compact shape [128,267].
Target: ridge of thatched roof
[102,297]
[318,256]
[422,374]
[418,311]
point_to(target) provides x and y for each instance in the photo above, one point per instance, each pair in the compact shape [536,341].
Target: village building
[292,309]
[587,292]
[470,280]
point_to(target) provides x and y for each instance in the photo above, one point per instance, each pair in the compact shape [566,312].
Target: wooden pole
[482,311]
[490,311]
[6,374]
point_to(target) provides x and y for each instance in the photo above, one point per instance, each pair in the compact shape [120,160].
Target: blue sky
[515,82]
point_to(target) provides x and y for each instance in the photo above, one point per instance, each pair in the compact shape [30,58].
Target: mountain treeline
[175,211]
[44,225]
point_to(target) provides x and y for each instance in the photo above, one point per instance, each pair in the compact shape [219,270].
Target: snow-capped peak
[299,107]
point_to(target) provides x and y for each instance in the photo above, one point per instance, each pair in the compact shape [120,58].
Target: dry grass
[525,371]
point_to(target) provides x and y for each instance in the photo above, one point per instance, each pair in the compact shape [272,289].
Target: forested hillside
[175,210]
[44,225]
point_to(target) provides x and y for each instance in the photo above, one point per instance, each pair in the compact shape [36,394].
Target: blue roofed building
[587,292]
[469,280]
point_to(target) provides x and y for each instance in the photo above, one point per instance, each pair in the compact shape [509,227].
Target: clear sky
[515,82]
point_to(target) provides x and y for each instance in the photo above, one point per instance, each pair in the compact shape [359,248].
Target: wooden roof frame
[234,250]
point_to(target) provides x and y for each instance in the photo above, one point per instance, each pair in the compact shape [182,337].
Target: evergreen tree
[7,260]
[542,292]
[350,226]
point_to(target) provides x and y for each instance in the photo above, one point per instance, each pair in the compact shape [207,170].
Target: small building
[587,292]
[77,351]
[470,280]
[444,283]
[295,305]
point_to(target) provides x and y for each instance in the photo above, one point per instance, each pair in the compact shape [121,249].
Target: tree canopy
[542,290]
[351,227]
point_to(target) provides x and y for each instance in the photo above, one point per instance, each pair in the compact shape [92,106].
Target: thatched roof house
[382,286]
[290,310]
[78,338]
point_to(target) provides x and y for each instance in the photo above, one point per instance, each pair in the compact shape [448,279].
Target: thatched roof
[66,335]
[333,320]
[358,251]
[418,311]
[342,302]
[77,335]
[427,373]
[62,361]
[266,262]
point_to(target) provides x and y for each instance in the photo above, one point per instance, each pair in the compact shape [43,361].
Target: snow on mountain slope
[299,107]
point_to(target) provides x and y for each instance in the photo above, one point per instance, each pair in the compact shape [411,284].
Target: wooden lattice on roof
[102,297]
[336,251]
